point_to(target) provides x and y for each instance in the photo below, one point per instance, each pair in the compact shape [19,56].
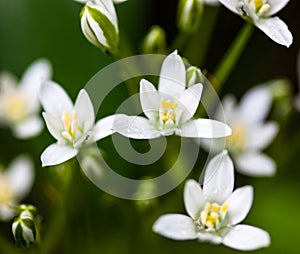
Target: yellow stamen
[237,140]
[258,4]
[224,208]
[167,111]
[70,125]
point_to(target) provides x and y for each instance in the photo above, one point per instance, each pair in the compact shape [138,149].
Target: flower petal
[211,2]
[136,127]
[219,178]
[255,105]
[29,128]
[190,99]
[276,29]
[260,136]
[204,128]
[54,125]
[231,5]
[209,237]
[85,110]
[20,175]
[276,6]
[226,110]
[6,213]
[54,99]
[239,204]
[149,98]
[8,81]
[246,238]
[172,76]
[104,127]
[255,164]
[193,197]
[175,226]
[56,154]
[40,70]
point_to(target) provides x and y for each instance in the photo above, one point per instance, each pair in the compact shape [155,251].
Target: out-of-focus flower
[170,109]
[24,226]
[99,24]
[215,211]
[250,133]
[260,12]
[19,104]
[71,125]
[15,183]
[297,101]
[155,41]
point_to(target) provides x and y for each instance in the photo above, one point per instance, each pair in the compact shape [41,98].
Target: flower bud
[189,15]
[99,24]
[24,229]
[155,41]
[194,76]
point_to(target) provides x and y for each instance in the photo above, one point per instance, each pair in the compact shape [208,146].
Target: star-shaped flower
[19,104]
[260,12]
[170,109]
[215,211]
[250,133]
[71,125]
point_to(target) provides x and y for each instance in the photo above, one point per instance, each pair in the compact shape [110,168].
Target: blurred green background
[84,219]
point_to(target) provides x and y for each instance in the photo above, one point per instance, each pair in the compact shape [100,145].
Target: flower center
[6,195]
[261,6]
[13,107]
[167,112]
[237,140]
[71,127]
[212,216]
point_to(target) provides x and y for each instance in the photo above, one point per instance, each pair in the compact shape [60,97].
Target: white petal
[6,213]
[104,127]
[119,1]
[276,29]
[245,238]
[219,178]
[255,105]
[149,98]
[204,128]
[85,110]
[255,164]
[82,1]
[231,5]
[56,154]
[276,6]
[54,99]
[193,197]
[20,176]
[54,125]
[95,30]
[29,128]
[190,99]
[209,237]
[175,226]
[262,135]
[40,70]
[135,127]
[8,81]
[239,204]
[172,76]
[226,110]
[86,29]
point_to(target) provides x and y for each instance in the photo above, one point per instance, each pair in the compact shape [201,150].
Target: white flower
[19,104]
[170,109]
[260,12]
[71,125]
[15,184]
[215,211]
[99,24]
[250,134]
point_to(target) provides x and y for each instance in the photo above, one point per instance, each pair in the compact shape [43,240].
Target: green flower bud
[99,24]
[24,229]
[189,15]
[155,41]
[194,76]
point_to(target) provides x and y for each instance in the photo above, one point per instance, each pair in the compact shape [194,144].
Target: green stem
[232,56]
